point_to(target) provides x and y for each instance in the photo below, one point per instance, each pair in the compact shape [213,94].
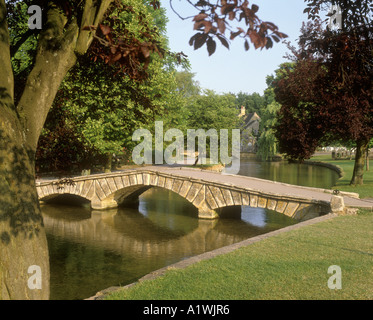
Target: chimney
[243,111]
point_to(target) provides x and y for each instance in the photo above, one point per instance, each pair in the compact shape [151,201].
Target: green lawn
[291,265]
[343,184]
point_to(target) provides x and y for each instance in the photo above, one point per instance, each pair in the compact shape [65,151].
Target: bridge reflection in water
[93,250]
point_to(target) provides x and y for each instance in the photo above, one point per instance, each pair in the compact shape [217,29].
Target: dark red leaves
[211,46]
[254,8]
[221,25]
[326,95]
[198,40]
[200,17]
[214,25]
[105,29]
[269,43]
[155,4]
[129,52]
[223,41]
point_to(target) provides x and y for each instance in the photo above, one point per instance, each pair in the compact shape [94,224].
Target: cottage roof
[250,119]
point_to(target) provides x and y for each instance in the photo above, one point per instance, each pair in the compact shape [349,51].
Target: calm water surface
[292,173]
[93,250]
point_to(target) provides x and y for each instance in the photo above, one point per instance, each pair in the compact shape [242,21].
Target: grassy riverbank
[343,184]
[291,265]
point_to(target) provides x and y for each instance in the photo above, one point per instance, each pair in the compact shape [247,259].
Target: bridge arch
[124,190]
[65,198]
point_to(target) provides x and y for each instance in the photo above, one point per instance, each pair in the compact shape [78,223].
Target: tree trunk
[23,242]
[24,258]
[109,159]
[22,239]
[367,159]
[361,149]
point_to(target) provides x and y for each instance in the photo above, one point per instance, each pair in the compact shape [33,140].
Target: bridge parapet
[208,196]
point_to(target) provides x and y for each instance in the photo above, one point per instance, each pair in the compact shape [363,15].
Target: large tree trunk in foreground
[361,149]
[23,242]
[24,258]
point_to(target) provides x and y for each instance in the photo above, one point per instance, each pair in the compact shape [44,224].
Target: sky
[236,70]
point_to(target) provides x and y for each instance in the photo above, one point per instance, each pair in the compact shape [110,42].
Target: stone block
[281,206]
[210,199]
[194,189]
[72,188]
[126,181]
[99,191]
[337,204]
[236,198]
[177,185]
[105,187]
[262,202]
[206,213]
[218,196]
[185,188]
[245,199]
[78,187]
[133,179]
[146,179]
[200,197]
[161,181]
[119,183]
[86,188]
[111,184]
[91,190]
[168,183]
[45,190]
[253,201]
[291,208]
[271,204]
[139,178]
[301,211]
[153,179]
[227,196]
[40,192]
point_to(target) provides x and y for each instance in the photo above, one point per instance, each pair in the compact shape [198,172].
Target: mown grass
[343,184]
[291,265]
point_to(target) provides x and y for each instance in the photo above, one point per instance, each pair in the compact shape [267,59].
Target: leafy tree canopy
[328,94]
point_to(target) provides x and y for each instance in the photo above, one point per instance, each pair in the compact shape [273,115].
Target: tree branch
[24,37]
[55,56]
[6,74]
[92,15]
[186,18]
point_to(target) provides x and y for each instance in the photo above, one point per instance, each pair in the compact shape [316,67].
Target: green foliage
[252,102]
[186,85]
[267,142]
[213,111]
[101,110]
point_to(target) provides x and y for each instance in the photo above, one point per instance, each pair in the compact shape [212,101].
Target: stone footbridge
[210,192]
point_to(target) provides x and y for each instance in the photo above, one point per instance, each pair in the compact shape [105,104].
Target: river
[92,250]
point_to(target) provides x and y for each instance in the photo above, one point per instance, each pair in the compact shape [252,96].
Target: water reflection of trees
[165,222]
[292,173]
